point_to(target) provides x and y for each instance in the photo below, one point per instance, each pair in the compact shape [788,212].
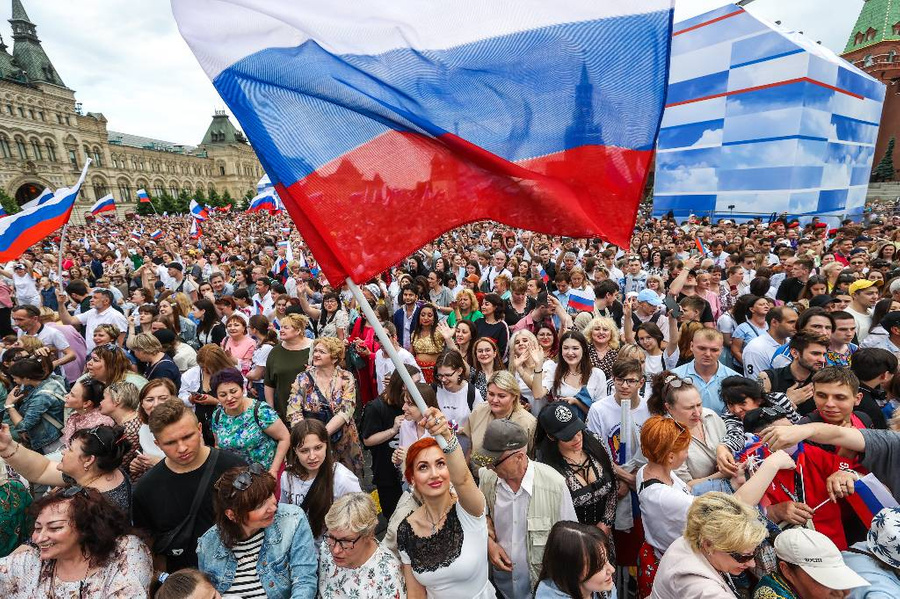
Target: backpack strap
[470,395]
[649,483]
[256,406]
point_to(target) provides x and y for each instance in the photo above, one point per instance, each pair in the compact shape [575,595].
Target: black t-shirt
[497,331]
[705,316]
[789,290]
[164,369]
[162,499]
[380,417]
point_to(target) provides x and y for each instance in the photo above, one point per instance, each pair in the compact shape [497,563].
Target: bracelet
[541,371]
[6,457]
[10,406]
[452,445]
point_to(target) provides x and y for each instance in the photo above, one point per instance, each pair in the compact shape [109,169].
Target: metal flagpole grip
[391,352]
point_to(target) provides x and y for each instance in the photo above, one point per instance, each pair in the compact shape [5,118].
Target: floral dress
[15,523]
[606,362]
[342,398]
[242,435]
[379,578]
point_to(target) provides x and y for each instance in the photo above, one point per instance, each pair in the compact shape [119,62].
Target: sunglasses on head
[676,382]
[243,480]
[72,491]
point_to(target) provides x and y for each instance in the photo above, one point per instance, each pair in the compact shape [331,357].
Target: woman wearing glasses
[258,547]
[352,561]
[109,364]
[666,500]
[81,549]
[93,459]
[677,398]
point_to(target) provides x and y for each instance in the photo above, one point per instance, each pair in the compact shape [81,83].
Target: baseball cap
[18,266]
[650,296]
[882,537]
[817,555]
[862,239]
[820,301]
[501,435]
[560,421]
[861,284]
[473,278]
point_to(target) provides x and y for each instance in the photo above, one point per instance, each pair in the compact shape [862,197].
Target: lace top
[452,563]
[428,344]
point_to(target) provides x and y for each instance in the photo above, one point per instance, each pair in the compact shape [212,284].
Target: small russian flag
[156,234]
[544,276]
[143,197]
[579,303]
[870,496]
[259,307]
[276,325]
[105,204]
[135,234]
[701,247]
[196,230]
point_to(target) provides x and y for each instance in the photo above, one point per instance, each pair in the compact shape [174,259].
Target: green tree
[226,199]
[213,198]
[183,202]
[9,205]
[200,196]
[244,202]
[885,169]
[168,204]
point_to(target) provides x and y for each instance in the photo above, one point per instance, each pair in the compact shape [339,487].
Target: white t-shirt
[148,442]
[385,367]
[51,338]
[758,354]
[528,395]
[863,322]
[294,490]
[92,319]
[605,420]
[455,406]
[596,384]
[25,287]
[664,510]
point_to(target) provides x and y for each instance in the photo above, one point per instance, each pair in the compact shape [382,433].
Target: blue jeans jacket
[46,398]
[287,566]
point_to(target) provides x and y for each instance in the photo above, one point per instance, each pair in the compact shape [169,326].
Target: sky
[126,59]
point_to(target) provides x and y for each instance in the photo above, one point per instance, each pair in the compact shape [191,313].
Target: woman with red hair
[443,543]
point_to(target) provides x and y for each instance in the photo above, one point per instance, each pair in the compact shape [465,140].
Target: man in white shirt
[28,320]
[510,482]
[263,295]
[497,268]
[863,296]
[759,351]
[178,282]
[101,313]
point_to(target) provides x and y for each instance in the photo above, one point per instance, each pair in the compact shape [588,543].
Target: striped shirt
[246,580]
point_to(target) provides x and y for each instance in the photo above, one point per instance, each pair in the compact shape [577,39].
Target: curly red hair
[413,452]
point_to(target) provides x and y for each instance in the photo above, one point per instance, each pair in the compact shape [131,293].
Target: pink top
[89,419]
[73,369]
[5,297]
[241,351]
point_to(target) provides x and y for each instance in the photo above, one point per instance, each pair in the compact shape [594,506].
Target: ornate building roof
[27,50]
[118,138]
[879,21]
[221,131]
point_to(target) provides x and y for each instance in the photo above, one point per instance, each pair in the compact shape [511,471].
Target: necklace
[434,523]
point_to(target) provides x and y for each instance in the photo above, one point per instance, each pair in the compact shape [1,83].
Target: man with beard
[808,357]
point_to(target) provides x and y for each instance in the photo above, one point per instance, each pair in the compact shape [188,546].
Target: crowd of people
[709,412]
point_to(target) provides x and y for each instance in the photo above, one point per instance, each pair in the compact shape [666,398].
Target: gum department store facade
[45,139]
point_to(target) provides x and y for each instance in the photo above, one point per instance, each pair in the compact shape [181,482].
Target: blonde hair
[355,513]
[49,315]
[125,395]
[506,381]
[297,321]
[110,329]
[532,341]
[30,343]
[184,302]
[630,351]
[146,342]
[334,346]
[607,324]
[723,522]
[473,301]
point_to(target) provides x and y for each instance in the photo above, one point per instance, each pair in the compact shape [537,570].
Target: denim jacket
[45,398]
[287,566]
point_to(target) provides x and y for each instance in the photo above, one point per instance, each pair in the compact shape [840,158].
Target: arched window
[36,150]
[4,147]
[51,151]
[125,190]
[98,158]
[20,148]
[173,190]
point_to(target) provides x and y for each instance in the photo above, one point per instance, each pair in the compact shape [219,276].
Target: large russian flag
[384,124]
[105,204]
[870,497]
[143,196]
[198,212]
[26,228]
[264,201]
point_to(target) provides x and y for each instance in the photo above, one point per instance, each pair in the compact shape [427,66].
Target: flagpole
[388,346]
[59,268]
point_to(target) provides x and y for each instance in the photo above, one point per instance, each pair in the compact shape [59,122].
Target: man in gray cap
[524,500]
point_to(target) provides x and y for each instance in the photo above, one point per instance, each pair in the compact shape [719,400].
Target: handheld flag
[869,497]
[263,201]
[544,276]
[198,212]
[105,204]
[580,303]
[135,234]
[259,306]
[23,229]
[156,234]
[143,196]
[534,114]
[196,230]
[45,197]
[288,250]
[701,247]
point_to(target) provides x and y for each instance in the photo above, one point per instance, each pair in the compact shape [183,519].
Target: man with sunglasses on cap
[809,567]
[524,500]
[173,500]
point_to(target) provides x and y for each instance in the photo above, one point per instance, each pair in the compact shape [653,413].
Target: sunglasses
[677,382]
[70,492]
[497,465]
[742,558]
[243,480]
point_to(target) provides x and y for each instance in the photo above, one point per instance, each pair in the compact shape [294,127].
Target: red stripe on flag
[588,191]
